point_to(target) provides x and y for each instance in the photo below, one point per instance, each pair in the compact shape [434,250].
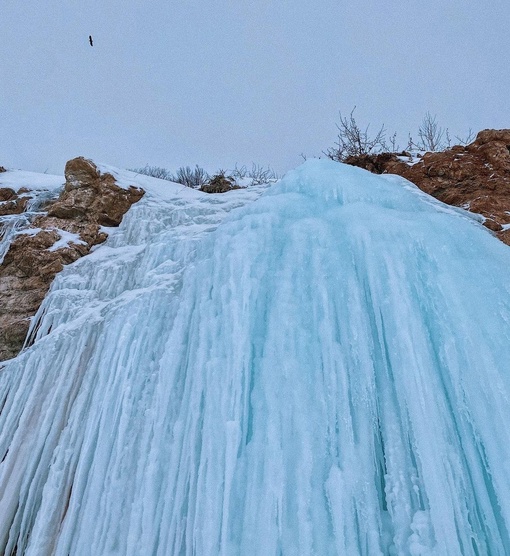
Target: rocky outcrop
[219,184]
[67,229]
[475,177]
[12,202]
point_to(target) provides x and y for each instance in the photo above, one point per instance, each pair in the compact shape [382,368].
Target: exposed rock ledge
[88,201]
[475,177]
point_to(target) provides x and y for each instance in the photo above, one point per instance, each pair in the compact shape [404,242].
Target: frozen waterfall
[322,367]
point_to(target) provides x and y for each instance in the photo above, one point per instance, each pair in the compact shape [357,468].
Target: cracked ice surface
[321,371]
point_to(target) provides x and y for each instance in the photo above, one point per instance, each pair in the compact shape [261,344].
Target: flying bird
[90,40]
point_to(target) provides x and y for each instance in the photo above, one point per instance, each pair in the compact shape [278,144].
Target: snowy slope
[16,179]
[321,371]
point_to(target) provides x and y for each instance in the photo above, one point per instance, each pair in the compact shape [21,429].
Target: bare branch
[393,143]
[189,177]
[469,138]
[258,174]
[432,137]
[353,140]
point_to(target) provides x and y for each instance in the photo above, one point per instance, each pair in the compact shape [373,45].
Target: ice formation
[43,188]
[324,370]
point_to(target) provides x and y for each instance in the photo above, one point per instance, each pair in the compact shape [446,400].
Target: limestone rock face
[475,177]
[88,201]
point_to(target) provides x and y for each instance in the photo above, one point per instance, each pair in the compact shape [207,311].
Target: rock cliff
[49,234]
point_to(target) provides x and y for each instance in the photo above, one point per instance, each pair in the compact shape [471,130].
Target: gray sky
[218,82]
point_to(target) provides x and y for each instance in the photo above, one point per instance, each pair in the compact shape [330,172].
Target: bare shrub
[432,137]
[356,141]
[394,146]
[154,172]
[352,140]
[190,177]
[258,174]
[470,137]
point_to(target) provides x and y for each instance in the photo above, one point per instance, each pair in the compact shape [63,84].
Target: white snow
[321,371]
[414,157]
[16,179]
[65,239]
[29,231]
[158,187]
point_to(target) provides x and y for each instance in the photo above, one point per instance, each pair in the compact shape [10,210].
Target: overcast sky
[173,83]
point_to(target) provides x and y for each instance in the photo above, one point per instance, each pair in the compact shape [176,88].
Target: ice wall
[322,371]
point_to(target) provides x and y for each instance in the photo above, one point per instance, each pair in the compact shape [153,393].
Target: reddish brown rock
[88,201]
[491,136]
[11,202]
[476,176]
[219,184]
[6,194]
[91,196]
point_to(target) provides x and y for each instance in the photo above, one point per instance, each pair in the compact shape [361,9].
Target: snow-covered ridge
[16,179]
[157,187]
[318,368]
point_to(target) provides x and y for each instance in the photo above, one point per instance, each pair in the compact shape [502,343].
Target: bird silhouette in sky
[90,40]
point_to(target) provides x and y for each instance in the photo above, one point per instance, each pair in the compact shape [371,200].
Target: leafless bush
[191,177]
[393,143]
[432,137]
[154,171]
[239,172]
[258,174]
[470,137]
[352,140]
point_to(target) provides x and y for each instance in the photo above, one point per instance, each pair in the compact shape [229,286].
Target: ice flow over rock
[324,370]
